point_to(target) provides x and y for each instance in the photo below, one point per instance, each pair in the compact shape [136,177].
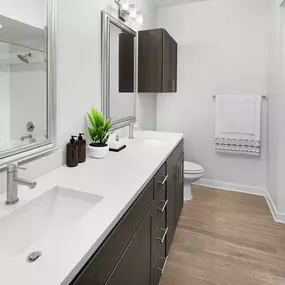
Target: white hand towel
[238,124]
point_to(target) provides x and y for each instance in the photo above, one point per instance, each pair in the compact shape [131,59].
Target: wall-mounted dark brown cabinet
[135,252]
[157,62]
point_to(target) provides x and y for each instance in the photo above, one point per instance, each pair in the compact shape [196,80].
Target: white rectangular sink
[148,142]
[43,221]
[153,142]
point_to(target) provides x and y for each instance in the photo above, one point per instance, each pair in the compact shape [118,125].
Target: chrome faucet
[12,183]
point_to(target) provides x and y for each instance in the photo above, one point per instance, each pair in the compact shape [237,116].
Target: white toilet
[192,173]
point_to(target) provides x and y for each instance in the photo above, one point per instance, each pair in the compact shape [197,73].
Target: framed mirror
[27,77]
[118,71]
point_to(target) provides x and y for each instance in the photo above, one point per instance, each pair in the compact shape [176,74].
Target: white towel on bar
[238,124]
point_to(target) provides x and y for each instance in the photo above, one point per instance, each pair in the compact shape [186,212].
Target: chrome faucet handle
[13,167]
[21,168]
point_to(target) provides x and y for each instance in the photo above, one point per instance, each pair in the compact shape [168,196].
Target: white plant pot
[98,152]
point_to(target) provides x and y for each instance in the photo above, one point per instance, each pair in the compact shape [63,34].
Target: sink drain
[34,256]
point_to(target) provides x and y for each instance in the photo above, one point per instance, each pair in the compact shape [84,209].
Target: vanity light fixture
[123,9]
[1,26]
[127,10]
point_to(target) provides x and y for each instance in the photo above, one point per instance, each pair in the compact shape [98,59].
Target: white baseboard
[278,216]
[232,187]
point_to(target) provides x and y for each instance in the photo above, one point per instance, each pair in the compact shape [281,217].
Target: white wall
[223,46]
[4,96]
[147,103]
[276,90]
[78,73]
[32,12]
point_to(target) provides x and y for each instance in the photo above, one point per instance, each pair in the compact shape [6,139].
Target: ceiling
[18,32]
[162,3]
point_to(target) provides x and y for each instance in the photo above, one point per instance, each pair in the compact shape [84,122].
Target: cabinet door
[150,61]
[157,62]
[134,267]
[179,189]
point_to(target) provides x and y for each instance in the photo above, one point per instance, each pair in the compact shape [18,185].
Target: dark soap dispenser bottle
[72,153]
[81,148]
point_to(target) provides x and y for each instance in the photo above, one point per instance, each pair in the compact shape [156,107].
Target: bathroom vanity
[108,221]
[136,250]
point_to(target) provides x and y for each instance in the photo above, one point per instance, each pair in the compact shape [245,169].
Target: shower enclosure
[23,88]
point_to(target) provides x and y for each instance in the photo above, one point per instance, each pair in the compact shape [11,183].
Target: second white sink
[153,142]
[42,221]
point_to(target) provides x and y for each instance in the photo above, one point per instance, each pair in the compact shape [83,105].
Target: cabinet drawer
[159,266]
[159,208]
[159,238]
[100,266]
[160,180]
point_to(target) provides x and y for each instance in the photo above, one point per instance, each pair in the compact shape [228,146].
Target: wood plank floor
[226,238]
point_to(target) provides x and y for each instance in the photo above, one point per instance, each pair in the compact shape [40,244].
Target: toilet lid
[190,167]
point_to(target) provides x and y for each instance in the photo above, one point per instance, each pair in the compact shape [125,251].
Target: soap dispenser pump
[72,152]
[81,148]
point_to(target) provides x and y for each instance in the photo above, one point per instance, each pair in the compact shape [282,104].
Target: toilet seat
[192,168]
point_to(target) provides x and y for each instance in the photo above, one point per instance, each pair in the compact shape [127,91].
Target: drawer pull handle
[164,264]
[164,206]
[164,180]
[164,235]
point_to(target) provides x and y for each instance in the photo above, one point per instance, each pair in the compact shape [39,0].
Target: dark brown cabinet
[157,62]
[136,250]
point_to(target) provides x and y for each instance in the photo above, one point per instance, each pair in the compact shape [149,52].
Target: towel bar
[263,97]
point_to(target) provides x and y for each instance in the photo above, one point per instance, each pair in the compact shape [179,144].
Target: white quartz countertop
[119,179]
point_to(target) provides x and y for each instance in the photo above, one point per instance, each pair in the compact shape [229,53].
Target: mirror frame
[107,20]
[28,152]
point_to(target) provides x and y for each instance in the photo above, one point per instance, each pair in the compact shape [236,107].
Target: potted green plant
[98,132]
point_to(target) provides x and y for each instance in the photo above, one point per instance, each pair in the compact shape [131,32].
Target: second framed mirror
[118,71]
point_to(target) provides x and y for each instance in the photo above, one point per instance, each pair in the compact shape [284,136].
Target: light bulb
[126,5]
[133,11]
[140,18]
[1,26]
